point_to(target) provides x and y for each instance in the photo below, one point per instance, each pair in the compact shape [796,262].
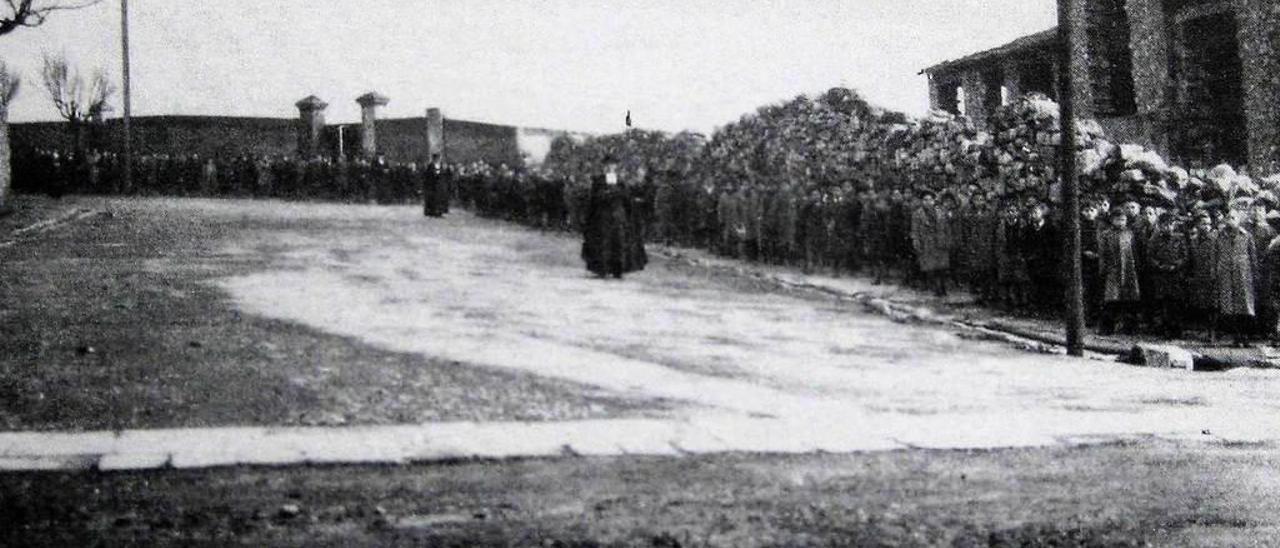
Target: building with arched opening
[1199,80]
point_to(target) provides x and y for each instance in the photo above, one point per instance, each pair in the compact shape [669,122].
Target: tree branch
[33,13]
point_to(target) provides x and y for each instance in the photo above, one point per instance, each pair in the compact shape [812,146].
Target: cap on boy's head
[610,159]
[926,193]
[1167,217]
[1118,213]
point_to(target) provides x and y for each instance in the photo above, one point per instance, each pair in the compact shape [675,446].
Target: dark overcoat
[1118,260]
[1167,257]
[1235,263]
[931,239]
[1202,249]
[611,245]
[436,189]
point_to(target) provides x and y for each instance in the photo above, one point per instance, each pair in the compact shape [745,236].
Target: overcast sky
[566,64]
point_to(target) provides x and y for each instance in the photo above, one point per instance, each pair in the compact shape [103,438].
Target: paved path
[212,447]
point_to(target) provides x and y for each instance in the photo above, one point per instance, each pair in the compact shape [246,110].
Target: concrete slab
[490,440]
[133,461]
[57,443]
[756,435]
[360,446]
[32,463]
[266,456]
[188,440]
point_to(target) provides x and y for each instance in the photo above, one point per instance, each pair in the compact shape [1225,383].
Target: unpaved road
[495,295]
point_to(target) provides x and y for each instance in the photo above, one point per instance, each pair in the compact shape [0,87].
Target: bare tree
[9,84]
[78,100]
[15,14]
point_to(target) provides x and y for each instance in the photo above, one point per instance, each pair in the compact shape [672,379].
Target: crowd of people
[1146,268]
[936,206]
[58,172]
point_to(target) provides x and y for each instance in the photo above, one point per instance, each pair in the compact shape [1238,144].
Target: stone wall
[6,166]
[1081,61]
[476,141]
[1260,48]
[405,140]
[1149,45]
[975,92]
[400,139]
[203,135]
[1108,60]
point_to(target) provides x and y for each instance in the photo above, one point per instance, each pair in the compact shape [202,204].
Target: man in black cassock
[612,244]
[436,180]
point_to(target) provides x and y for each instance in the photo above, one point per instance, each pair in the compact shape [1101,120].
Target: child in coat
[1118,265]
[1236,262]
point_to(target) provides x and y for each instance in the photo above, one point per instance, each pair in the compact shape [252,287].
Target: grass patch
[1154,493]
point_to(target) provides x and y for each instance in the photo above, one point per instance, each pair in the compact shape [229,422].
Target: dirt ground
[1149,494]
[181,312]
[165,313]
[113,323]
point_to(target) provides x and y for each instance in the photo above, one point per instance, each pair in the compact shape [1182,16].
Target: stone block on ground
[1163,356]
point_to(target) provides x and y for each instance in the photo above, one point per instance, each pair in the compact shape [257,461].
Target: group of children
[1144,267]
[1209,269]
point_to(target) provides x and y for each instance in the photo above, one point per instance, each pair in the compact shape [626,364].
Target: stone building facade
[1198,80]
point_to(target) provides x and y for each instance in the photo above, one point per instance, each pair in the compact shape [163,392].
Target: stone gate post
[369,104]
[310,125]
[435,133]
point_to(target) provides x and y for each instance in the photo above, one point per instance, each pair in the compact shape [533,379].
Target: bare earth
[482,293]
[163,313]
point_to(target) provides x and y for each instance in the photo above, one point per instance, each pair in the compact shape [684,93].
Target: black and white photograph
[640,273]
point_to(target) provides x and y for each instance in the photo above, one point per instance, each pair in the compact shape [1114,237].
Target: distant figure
[931,240]
[611,244]
[436,188]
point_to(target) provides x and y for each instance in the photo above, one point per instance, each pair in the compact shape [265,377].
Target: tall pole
[1070,184]
[128,95]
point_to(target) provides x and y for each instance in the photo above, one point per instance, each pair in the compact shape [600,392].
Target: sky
[561,64]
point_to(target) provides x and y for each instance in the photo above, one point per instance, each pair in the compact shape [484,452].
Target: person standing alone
[435,188]
[611,245]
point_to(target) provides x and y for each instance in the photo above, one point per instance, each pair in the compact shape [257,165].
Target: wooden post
[127,182]
[1070,185]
